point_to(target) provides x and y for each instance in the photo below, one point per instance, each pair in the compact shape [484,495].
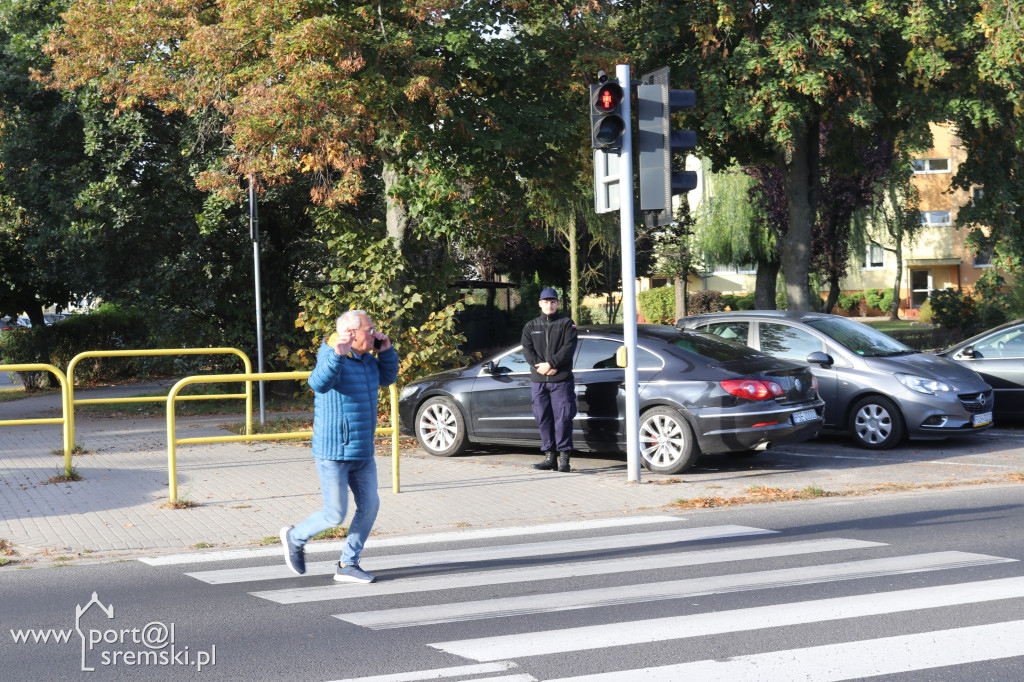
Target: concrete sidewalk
[244,493]
[247,492]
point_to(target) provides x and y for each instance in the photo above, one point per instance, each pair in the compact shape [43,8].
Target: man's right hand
[344,342]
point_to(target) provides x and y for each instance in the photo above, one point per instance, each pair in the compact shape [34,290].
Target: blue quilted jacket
[345,401]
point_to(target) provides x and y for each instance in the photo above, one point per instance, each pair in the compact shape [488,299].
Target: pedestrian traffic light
[657,142]
[606,123]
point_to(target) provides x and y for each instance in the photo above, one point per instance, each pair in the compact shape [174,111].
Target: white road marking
[371,564]
[644,592]
[405,540]
[439,673]
[457,581]
[739,620]
[846,661]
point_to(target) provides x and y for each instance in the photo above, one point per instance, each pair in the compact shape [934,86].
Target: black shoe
[294,555]
[548,464]
[563,461]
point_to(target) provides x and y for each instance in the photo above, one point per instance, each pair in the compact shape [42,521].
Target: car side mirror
[819,358]
[968,352]
[489,367]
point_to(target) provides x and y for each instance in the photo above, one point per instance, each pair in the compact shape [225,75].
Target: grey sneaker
[294,555]
[351,573]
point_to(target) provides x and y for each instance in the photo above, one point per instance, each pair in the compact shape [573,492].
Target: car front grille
[976,403]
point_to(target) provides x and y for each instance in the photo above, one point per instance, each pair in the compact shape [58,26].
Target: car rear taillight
[814,383]
[752,389]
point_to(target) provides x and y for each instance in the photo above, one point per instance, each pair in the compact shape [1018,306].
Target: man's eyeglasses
[371,330]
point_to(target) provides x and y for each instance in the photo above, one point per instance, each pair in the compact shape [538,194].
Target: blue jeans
[336,478]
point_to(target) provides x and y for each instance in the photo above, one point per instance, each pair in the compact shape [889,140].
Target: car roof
[661,332]
[792,315]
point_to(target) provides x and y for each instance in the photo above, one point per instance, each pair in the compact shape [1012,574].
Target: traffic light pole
[629,285]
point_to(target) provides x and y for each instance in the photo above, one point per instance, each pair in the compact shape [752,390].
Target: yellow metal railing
[157,399]
[173,442]
[65,404]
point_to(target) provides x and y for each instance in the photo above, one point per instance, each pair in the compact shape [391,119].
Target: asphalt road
[913,586]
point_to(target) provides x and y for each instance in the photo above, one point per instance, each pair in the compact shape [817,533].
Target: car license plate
[981,419]
[805,416]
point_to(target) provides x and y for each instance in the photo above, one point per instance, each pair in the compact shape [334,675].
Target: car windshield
[714,348]
[860,338]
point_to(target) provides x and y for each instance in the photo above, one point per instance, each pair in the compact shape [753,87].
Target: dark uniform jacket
[550,339]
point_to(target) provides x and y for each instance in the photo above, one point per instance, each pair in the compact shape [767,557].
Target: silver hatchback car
[874,387]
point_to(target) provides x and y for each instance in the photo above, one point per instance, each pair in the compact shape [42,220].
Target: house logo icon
[79,612]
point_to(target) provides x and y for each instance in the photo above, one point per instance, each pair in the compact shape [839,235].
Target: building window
[932,218]
[922,166]
[983,256]
[745,269]
[874,257]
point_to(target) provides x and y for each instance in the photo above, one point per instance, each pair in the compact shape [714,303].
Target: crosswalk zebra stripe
[439,673]
[405,540]
[739,620]
[846,661]
[637,593]
[560,571]
[371,563]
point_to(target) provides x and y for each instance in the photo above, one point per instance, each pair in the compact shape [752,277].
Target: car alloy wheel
[440,428]
[876,423]
[667,444]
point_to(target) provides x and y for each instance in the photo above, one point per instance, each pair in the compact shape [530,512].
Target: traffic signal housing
[607,125]
[657,143]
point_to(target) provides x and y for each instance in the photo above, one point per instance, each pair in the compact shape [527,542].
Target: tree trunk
[764,284]
[397,218]
[833,291]
[680,288]
[801,178]
[894,311]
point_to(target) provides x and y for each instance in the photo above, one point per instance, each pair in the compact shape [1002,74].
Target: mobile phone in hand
[377,343]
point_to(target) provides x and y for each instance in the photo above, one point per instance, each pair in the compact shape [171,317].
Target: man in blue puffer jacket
[345,383]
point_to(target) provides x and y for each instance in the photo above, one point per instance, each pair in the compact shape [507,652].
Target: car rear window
[714,348]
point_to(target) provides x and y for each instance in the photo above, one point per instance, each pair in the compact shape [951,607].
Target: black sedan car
[998,356]
[698,394]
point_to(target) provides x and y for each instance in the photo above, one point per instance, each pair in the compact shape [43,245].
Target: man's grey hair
[351,320]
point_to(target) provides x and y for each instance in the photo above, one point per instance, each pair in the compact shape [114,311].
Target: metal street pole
[254,234]
[629,283]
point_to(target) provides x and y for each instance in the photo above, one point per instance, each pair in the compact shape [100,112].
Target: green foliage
[851,302]
[953,310]
[415,309]
[106,328]
[780,300]
[924,313]
[706,301]
[879,300]
[658,305]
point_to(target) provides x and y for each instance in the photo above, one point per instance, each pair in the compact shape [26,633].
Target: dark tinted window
[785,341]
[734,331]
[600,354]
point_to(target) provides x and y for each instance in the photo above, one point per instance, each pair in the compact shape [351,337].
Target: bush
[729,301]
[780,301]
[106,328]
[851,302]
[706,301]
[924,313]
[745,302]
[952,310]
[658,306]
